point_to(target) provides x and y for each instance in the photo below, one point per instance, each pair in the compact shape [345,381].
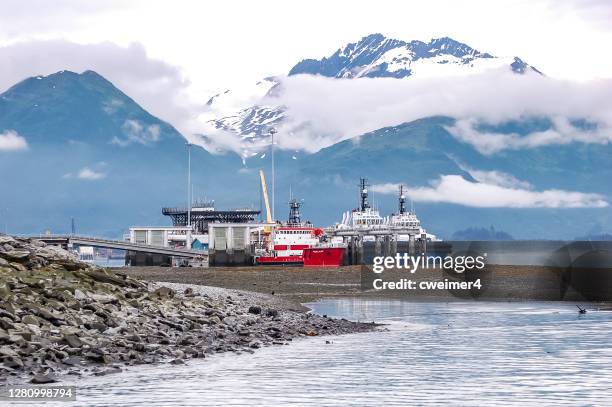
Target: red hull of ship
[312,257]
[279,260]
[323,257]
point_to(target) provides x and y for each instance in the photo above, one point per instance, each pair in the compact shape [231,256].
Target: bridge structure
[69,240]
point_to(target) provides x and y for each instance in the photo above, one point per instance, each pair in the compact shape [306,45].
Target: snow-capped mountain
[376,56]
[249,113]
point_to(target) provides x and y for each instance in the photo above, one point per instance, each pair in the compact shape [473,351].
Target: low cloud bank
[561,132]
[322,111]
[494,192]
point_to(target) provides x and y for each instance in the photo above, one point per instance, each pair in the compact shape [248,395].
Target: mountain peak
[92,74]
[456,48]
[378,56]
[99,112]
[376,37]
[66,76]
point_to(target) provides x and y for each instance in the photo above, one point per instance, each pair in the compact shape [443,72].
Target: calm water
[433,353]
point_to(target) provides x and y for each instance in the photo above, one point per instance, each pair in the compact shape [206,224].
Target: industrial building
[191,230]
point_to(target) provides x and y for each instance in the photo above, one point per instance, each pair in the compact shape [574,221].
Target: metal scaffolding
[201,218]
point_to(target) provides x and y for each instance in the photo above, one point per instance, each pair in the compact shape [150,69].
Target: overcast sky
[220,44]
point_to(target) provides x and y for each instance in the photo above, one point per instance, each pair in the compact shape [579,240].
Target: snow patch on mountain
[242,114]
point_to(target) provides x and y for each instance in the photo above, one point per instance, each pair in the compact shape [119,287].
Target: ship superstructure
[292,237]
[364,217]
[406,220]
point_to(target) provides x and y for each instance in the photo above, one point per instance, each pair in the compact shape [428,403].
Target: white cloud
[10,140]
[87,173]
[217,141]
[500,178]
[136,132]
[457,190]
[17,15]
[561,132]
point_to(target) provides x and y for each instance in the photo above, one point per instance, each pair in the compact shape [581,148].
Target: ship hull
[327,257]
[323,257]
[279,261]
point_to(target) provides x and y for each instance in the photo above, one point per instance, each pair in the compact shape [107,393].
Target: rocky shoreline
[59,316]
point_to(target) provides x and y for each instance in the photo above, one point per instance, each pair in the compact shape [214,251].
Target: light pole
[188,241]
[272,131]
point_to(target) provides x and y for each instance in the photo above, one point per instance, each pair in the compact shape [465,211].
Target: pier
[66,241]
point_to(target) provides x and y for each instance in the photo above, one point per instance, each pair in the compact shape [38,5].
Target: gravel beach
[59,316]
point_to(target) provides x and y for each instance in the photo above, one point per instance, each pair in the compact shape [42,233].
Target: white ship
[365,218]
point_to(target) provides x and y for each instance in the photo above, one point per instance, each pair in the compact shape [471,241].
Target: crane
[264,190]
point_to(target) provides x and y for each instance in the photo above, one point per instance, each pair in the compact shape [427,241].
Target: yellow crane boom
[264,190]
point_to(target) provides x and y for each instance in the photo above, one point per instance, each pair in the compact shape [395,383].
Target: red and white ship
[299,244]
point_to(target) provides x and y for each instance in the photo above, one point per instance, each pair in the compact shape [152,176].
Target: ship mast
[402,200]
[364,204]
[294,212]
